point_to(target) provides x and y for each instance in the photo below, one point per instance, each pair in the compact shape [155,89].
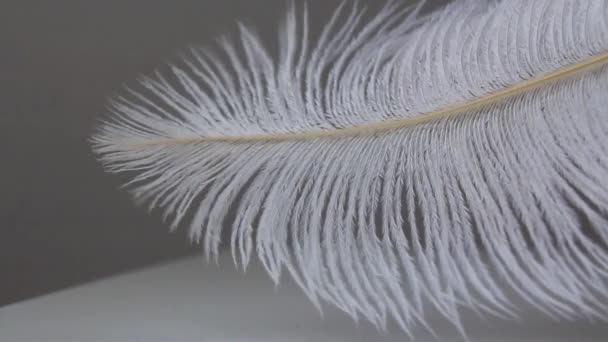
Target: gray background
[62,220]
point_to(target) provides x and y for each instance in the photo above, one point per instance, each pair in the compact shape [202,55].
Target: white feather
[323,162]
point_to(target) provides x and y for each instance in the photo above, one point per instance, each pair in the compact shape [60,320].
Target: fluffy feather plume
[392,161]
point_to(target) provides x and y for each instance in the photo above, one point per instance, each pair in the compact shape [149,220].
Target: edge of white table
[192,300]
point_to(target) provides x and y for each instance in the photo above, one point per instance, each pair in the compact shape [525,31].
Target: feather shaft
[589,64]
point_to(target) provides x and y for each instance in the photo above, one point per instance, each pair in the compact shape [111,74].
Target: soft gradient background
[64,222]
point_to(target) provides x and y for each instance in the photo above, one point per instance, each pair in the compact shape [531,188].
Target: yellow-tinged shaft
[586,65]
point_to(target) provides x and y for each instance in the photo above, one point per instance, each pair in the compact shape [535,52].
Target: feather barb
[589,64]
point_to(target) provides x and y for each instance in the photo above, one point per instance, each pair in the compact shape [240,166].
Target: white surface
[193,301]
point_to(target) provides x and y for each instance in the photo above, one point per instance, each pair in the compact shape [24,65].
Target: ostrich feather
[391,160]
